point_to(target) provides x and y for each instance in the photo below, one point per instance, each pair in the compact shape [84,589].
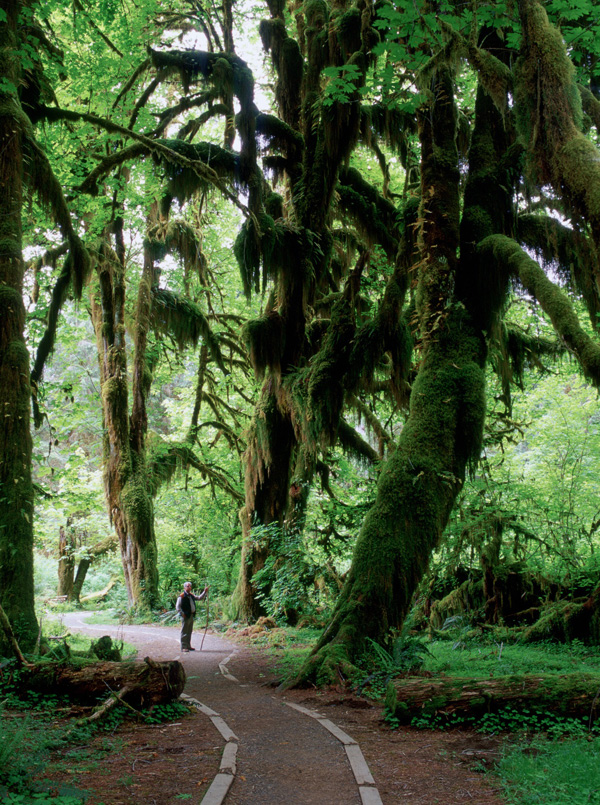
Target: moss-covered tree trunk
[572,695]
[420,481]
[66,563]
[267,481]
[16,491]
[125,475]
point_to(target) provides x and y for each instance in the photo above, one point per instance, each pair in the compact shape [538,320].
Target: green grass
[565,772]
[288,647]
[482,660]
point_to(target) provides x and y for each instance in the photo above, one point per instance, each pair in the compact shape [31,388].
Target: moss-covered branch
[352,442]
[375,217]
[159,148]
[549,116]
[568,248]
[165,459]
[503,252]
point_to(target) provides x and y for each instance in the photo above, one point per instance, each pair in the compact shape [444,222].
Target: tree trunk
[66,564]
[415,495]
[419,483]
[573,695]
[268,460]
[16,491]
[148,683]
[125,475]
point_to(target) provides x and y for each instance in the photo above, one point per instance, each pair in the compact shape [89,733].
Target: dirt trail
[283,756]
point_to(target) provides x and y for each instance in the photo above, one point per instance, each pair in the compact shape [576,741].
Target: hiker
[186,606]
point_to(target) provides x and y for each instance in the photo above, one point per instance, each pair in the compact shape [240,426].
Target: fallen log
[145,683]
[574,695]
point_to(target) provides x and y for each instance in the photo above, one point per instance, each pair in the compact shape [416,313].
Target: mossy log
[566,694]
[146,682]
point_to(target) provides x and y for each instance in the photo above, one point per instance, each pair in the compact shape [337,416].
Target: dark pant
[187,625]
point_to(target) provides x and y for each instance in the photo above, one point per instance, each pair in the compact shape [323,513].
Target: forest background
[276,297]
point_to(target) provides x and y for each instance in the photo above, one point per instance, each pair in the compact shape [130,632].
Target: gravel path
[283,755]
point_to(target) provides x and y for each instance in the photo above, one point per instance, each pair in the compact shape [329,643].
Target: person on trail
[186,606]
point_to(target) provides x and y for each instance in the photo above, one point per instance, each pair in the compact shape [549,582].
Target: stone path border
[220,786]
[369,794]
[222,783]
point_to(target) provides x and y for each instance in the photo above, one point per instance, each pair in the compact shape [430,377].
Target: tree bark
[566,694]
[126,483]
[66,564]
[16,491]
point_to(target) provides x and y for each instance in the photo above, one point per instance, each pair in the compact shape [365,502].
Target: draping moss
[273,204]
[46,344]
[348,30]
[183,181]
[549,117]
[41,177]
[374,216]
[265,340]
[182,238]
[494,168]
[353,444]
[443,432]
[279,134]
[289,66]
[391,125]
[568,251]
[513,350]
[184,320]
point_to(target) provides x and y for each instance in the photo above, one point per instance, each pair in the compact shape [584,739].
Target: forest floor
[284,756]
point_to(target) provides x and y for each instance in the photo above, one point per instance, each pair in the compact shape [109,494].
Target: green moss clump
[348,30]
[274,205]
[316,13]
[265,339]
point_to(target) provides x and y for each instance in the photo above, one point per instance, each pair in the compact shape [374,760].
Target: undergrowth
[545,772]
[34,725]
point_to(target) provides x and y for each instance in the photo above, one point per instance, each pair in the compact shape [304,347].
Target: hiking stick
[206,627]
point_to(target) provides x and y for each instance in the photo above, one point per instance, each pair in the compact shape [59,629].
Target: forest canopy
[283,280]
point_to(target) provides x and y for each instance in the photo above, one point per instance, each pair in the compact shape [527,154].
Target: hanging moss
[549,117]
[253,245]
[271,31]
[265,339]
[315,332]
[279,134]
[353,444]
[325,392]
[184,320]
[375,217]
[522,350]
[184,181]
[590,105]
[493,75]
[416,491]
[391,125]
[273,203]
[567,250]
[316,13]
[348,30]
[46,344]
[42,179]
